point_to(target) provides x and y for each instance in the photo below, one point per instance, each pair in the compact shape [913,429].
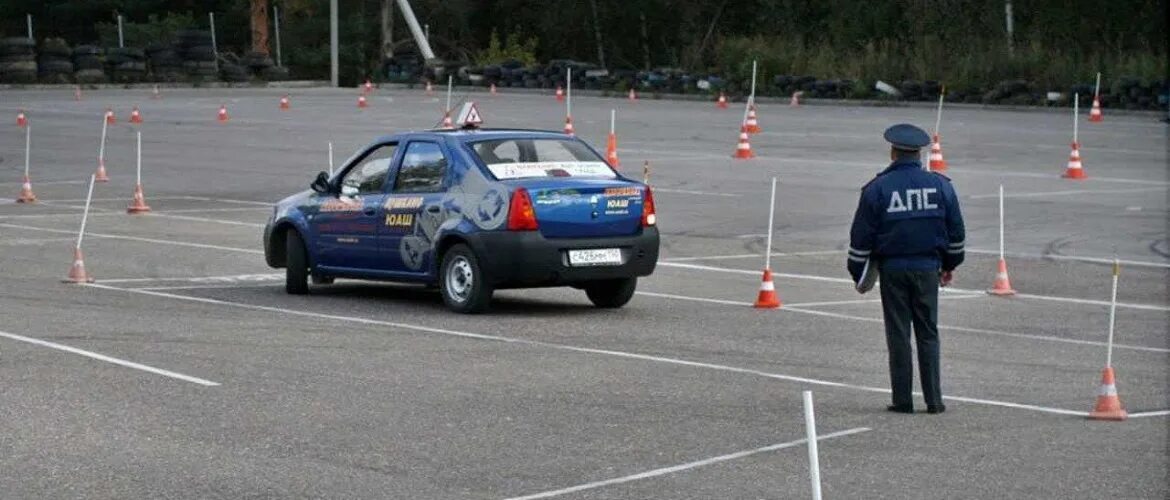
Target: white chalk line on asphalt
[689,465]
[1157,413]
[977,251]
[1070,192]
[700,193]
[167,215]
[136,238]
[110,359]
[754,255]
[572,348]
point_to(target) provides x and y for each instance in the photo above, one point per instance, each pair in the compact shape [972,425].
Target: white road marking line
[162,214]
[965,171]
[135,238]
[700,193]
[695,299]
[126,199]
[17,183]
[1158,413]
[700,267]
[689,465]
[231,278]
[876,301]
[1070,192]
[572,348]
[110,359]
[225,200]
[205,287]
[33,241]
[1095,260]
[755,255]
[210,210]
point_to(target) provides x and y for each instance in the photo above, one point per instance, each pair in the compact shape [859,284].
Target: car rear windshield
[538,158]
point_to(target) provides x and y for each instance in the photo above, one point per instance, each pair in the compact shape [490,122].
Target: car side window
[369,176]
[422,170]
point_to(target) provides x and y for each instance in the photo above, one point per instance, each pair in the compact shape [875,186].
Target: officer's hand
[945,278]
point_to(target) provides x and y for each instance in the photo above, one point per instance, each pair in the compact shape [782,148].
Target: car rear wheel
[462,283]
[611,294]
[296,272]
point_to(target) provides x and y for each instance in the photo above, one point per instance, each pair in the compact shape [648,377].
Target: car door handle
[434,209]
[370,211]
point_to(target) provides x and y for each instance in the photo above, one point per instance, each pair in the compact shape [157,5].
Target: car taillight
[521,215]
[649,216]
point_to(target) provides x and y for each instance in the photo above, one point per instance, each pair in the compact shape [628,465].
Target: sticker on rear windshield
[506,171]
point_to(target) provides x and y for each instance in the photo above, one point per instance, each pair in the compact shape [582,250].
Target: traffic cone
[284,102]
[135,116]
[447,121]
[722,102]
[223,115]
[751,125]
[1002,285]
[568,125]
[1095,115]
[21,120]
[560,94]
[1074,170]
[110,118]
[1108,405]
[795,101]
[937,163]
[493,90]
[100,175]
[138,203]
[77,272]
[369,86]
[767,298]
[362,101]
[611,151]
[26,192]
[633,95]
[743,150]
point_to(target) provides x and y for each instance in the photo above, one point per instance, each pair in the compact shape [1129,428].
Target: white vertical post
[568,91]
[1097,88]
[28,17]
[810,430]
[333,44]
[1076,113]
[1112,313]
[102,147]
[450,83]
[138,161]
[752,96]
[276,30]
[1008,21]
[27,147]
[330,158]
[85,213]
[121,39]
[214,46]
[1001,253]
[612,120]
[938,116]
[771,215]
[427,32]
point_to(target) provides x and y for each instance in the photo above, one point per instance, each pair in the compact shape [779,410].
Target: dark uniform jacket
[908,219]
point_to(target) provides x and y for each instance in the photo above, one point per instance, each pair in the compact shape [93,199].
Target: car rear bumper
[528,259]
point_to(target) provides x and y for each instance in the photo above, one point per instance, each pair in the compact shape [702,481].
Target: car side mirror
[321,184]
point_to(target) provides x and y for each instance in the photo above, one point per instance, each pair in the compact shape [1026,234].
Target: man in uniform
[909,226]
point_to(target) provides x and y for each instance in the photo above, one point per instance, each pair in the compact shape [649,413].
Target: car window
[422,170]
[534,158]
[369,176]
[498,151]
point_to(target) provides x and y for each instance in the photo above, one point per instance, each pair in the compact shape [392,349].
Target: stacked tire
[194,48]
[17,60]
[87,64]
[126,65]
[164,63]
[54,61]
[262,66]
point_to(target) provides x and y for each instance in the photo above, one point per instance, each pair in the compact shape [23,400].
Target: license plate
[596,257]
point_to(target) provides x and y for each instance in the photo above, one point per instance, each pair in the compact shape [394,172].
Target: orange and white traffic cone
[1095,115]
[722,102]
[743,150]
[560,94]
[26,192]
[492,89]
[284,104]
[362,101]
[223,114]
[77,272]
[1108,405]
[100,175]
[937,163]
[447,123]
[110,118]
[751,125]
[568,125]
[767,298]
[21,120]
[795,100]
[135,115]
[138,203]
[611,155]
[1075,169]
[1002,285]
[633,95]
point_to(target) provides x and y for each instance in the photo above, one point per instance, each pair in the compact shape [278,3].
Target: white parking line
[689,465]
[160,214]
[1095,260]
[1159,413]
[135,238]
[1070,192]
[110,359]
[572,348]
[754,255]
[700,193]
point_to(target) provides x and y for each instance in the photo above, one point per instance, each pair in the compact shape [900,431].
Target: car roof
[468,135]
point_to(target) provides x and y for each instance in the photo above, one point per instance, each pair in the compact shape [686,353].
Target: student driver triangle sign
[469,116]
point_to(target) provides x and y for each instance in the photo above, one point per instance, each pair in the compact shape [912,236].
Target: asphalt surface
[367,390]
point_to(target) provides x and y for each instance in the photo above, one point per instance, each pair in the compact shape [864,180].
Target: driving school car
[470,211]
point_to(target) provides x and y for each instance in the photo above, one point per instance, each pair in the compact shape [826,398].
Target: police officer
[909,226]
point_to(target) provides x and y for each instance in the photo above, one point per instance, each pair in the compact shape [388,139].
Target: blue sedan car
[470,211]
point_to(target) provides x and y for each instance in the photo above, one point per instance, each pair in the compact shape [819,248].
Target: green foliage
[512,48]
[155,30]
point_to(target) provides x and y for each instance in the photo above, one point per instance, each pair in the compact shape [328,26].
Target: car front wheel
[611,294]
[296,273]
[462,283]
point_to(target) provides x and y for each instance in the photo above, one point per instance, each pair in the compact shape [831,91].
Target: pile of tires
[54,61]
[126,64]
[17,60]
[164,63]
[263,67]
[405,66]
[194,48]
[87,64]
